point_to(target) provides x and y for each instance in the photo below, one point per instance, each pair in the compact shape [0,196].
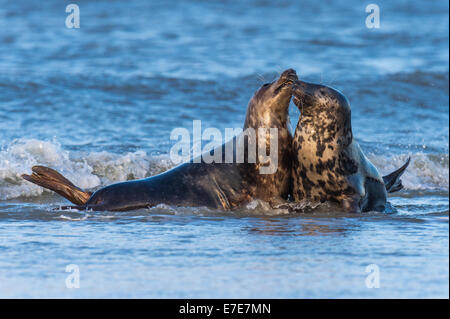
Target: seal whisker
[261,77]
[334,78]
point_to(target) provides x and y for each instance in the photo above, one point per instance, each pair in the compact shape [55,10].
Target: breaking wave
[425,172]
[96,169]
[88,171]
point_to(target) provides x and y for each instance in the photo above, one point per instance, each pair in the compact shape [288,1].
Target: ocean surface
[98,103]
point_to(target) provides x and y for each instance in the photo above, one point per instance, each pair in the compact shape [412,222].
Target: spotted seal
[328,163]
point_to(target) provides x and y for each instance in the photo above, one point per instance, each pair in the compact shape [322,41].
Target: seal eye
[266,84]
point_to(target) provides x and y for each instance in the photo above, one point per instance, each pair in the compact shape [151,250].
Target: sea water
[98,103]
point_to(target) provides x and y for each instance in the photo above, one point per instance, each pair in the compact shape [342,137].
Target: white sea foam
[96,169]
[265,208]
[425,172]
[74,218]
[86,171]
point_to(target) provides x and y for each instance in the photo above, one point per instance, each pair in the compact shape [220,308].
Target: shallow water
[98,103]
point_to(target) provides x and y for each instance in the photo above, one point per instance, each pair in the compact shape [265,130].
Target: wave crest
[88,171]
[425,172]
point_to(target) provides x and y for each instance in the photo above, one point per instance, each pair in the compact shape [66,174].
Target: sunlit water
[98,103]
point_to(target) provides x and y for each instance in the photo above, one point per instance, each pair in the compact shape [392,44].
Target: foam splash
[265,208]
[89,171]
[425,172]
[96,169]
[64,217]
[18,158]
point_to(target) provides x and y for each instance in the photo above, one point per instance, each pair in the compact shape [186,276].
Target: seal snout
[303,93]
[301,88]
[289,76]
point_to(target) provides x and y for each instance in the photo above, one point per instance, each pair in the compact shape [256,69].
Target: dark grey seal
[329,164]
[215,185]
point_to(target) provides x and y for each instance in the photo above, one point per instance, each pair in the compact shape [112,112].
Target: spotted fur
[328,164]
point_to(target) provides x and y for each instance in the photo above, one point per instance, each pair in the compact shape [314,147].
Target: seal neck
[269,116]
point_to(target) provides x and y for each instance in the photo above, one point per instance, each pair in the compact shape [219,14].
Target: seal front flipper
[51,179]
[392,181]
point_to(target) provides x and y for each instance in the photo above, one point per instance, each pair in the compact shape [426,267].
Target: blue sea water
[98,103]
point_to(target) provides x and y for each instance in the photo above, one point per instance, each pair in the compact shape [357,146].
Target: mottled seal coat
[328,163]
[215,185]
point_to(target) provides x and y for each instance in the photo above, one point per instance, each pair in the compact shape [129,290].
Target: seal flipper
[51,179]
[392,182]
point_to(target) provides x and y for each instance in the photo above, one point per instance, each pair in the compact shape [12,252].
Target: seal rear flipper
[51,179]
[392,182]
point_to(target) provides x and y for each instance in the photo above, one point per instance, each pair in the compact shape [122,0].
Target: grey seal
[328,164]
[215,185]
